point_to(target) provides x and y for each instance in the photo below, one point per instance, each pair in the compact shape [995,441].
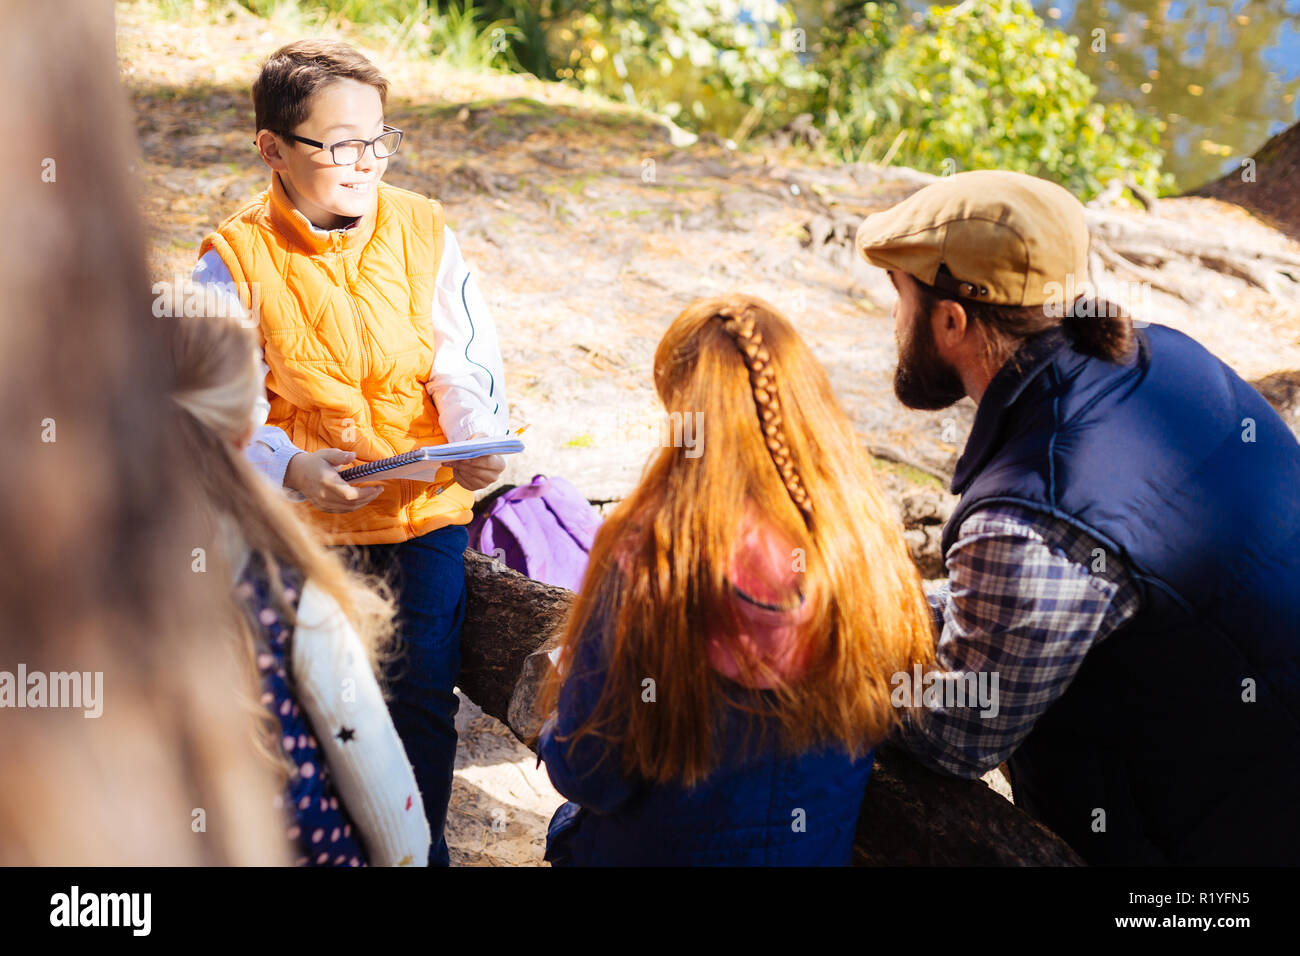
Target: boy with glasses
[376,341]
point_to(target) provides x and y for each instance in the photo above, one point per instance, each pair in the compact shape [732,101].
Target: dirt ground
[501,800]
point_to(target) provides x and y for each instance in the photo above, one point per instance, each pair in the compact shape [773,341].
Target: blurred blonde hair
[215,384]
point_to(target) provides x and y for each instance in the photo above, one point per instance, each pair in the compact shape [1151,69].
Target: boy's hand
[315,476]
[475,473]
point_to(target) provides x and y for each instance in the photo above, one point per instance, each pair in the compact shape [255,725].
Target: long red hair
[778,444]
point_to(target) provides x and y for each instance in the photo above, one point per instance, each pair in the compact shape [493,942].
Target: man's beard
[923,380]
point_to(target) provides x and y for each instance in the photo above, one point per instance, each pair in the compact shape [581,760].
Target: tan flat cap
[1006,237]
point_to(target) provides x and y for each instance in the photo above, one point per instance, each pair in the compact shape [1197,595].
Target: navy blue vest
[1183,472]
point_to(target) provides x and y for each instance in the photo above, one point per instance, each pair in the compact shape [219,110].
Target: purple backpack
[543,530]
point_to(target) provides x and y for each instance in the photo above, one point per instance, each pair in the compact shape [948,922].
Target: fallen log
[911,815]
[507,617]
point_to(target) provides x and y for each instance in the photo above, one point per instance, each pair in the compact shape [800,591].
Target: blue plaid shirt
[1027,597]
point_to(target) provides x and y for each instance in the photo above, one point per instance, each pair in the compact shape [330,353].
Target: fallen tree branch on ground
[1145,244]
[1137,247]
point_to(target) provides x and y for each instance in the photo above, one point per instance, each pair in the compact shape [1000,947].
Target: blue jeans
[428,578]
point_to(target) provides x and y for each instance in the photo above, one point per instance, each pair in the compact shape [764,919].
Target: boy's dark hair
[282,92]
[1096,326]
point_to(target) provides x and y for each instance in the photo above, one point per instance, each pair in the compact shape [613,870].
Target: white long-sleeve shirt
[466,381]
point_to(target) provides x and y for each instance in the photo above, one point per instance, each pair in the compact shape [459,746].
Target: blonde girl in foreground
[314,630]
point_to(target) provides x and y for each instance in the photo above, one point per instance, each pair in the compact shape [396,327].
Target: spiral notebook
[422,464]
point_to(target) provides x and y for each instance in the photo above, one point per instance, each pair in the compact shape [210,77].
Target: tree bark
[911,816]
[1269,189]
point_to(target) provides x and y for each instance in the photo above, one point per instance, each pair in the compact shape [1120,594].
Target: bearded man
[1125,557]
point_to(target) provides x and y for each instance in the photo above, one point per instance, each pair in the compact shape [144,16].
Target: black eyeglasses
[348,151]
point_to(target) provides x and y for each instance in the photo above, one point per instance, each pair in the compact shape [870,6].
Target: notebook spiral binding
[361,471]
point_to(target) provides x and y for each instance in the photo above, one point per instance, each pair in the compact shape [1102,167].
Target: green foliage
[454,32]
[979,85]
[531,22]
[982,85]
[708,63]
[459,38]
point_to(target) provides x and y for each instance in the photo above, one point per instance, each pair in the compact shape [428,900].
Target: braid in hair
[739,324]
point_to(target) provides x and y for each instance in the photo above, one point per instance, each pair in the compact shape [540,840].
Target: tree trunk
[910,815]
[1267,185]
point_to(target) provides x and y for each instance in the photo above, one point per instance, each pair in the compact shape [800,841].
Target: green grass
[913,476]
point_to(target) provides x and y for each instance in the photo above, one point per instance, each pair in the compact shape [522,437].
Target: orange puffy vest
[344,322]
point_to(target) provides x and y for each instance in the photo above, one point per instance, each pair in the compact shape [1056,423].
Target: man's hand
[475,473]
[314,475]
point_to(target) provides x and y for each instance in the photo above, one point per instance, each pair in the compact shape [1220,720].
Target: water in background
[1223,74]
